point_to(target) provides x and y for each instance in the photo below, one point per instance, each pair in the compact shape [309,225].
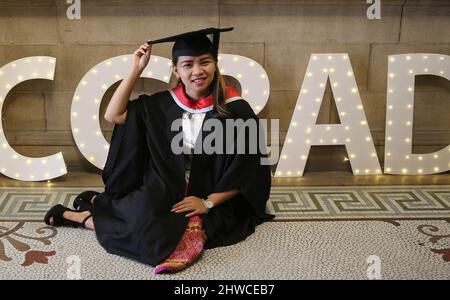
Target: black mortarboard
[194,43]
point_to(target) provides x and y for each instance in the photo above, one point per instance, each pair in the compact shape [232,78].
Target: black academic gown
[143,179]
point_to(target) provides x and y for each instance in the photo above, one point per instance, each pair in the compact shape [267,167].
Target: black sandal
[57,212]
[83,200]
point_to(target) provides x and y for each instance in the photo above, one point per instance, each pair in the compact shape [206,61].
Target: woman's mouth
[199,81]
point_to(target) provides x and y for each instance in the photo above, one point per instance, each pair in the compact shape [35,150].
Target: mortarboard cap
[194,43]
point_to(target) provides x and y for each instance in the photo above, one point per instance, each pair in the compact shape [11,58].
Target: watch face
[209,204]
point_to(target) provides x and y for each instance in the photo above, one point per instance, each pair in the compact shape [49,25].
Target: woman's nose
[197,70]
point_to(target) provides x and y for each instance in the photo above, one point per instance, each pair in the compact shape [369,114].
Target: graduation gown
[143,179]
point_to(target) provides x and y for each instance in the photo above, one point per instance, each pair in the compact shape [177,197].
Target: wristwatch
[208,203]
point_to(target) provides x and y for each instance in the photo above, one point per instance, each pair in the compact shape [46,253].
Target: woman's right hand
[141,57]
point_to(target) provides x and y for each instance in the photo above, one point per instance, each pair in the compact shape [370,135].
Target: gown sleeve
[245,171]
[128,155]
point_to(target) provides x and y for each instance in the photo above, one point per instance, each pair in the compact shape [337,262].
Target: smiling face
[196,73]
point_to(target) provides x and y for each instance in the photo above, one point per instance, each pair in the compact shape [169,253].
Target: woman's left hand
[192,204]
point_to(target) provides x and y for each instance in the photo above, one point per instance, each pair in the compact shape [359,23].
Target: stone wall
[280,35]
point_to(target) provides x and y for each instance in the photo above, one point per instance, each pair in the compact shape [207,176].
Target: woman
[162,206]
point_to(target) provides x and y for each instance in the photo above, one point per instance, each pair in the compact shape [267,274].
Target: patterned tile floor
[287,203]
[412,249]
[360,202]
[403,231]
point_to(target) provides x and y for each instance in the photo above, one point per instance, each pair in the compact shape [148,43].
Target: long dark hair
[218,91]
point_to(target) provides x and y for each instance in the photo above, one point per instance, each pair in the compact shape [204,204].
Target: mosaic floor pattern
[388,232]
[418,249]
[286,203]
[360,202]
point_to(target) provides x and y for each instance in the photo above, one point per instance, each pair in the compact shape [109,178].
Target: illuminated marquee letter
[353,132]
[255,90]
[251,76]
[398,156]
[13,164]
[86,101]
